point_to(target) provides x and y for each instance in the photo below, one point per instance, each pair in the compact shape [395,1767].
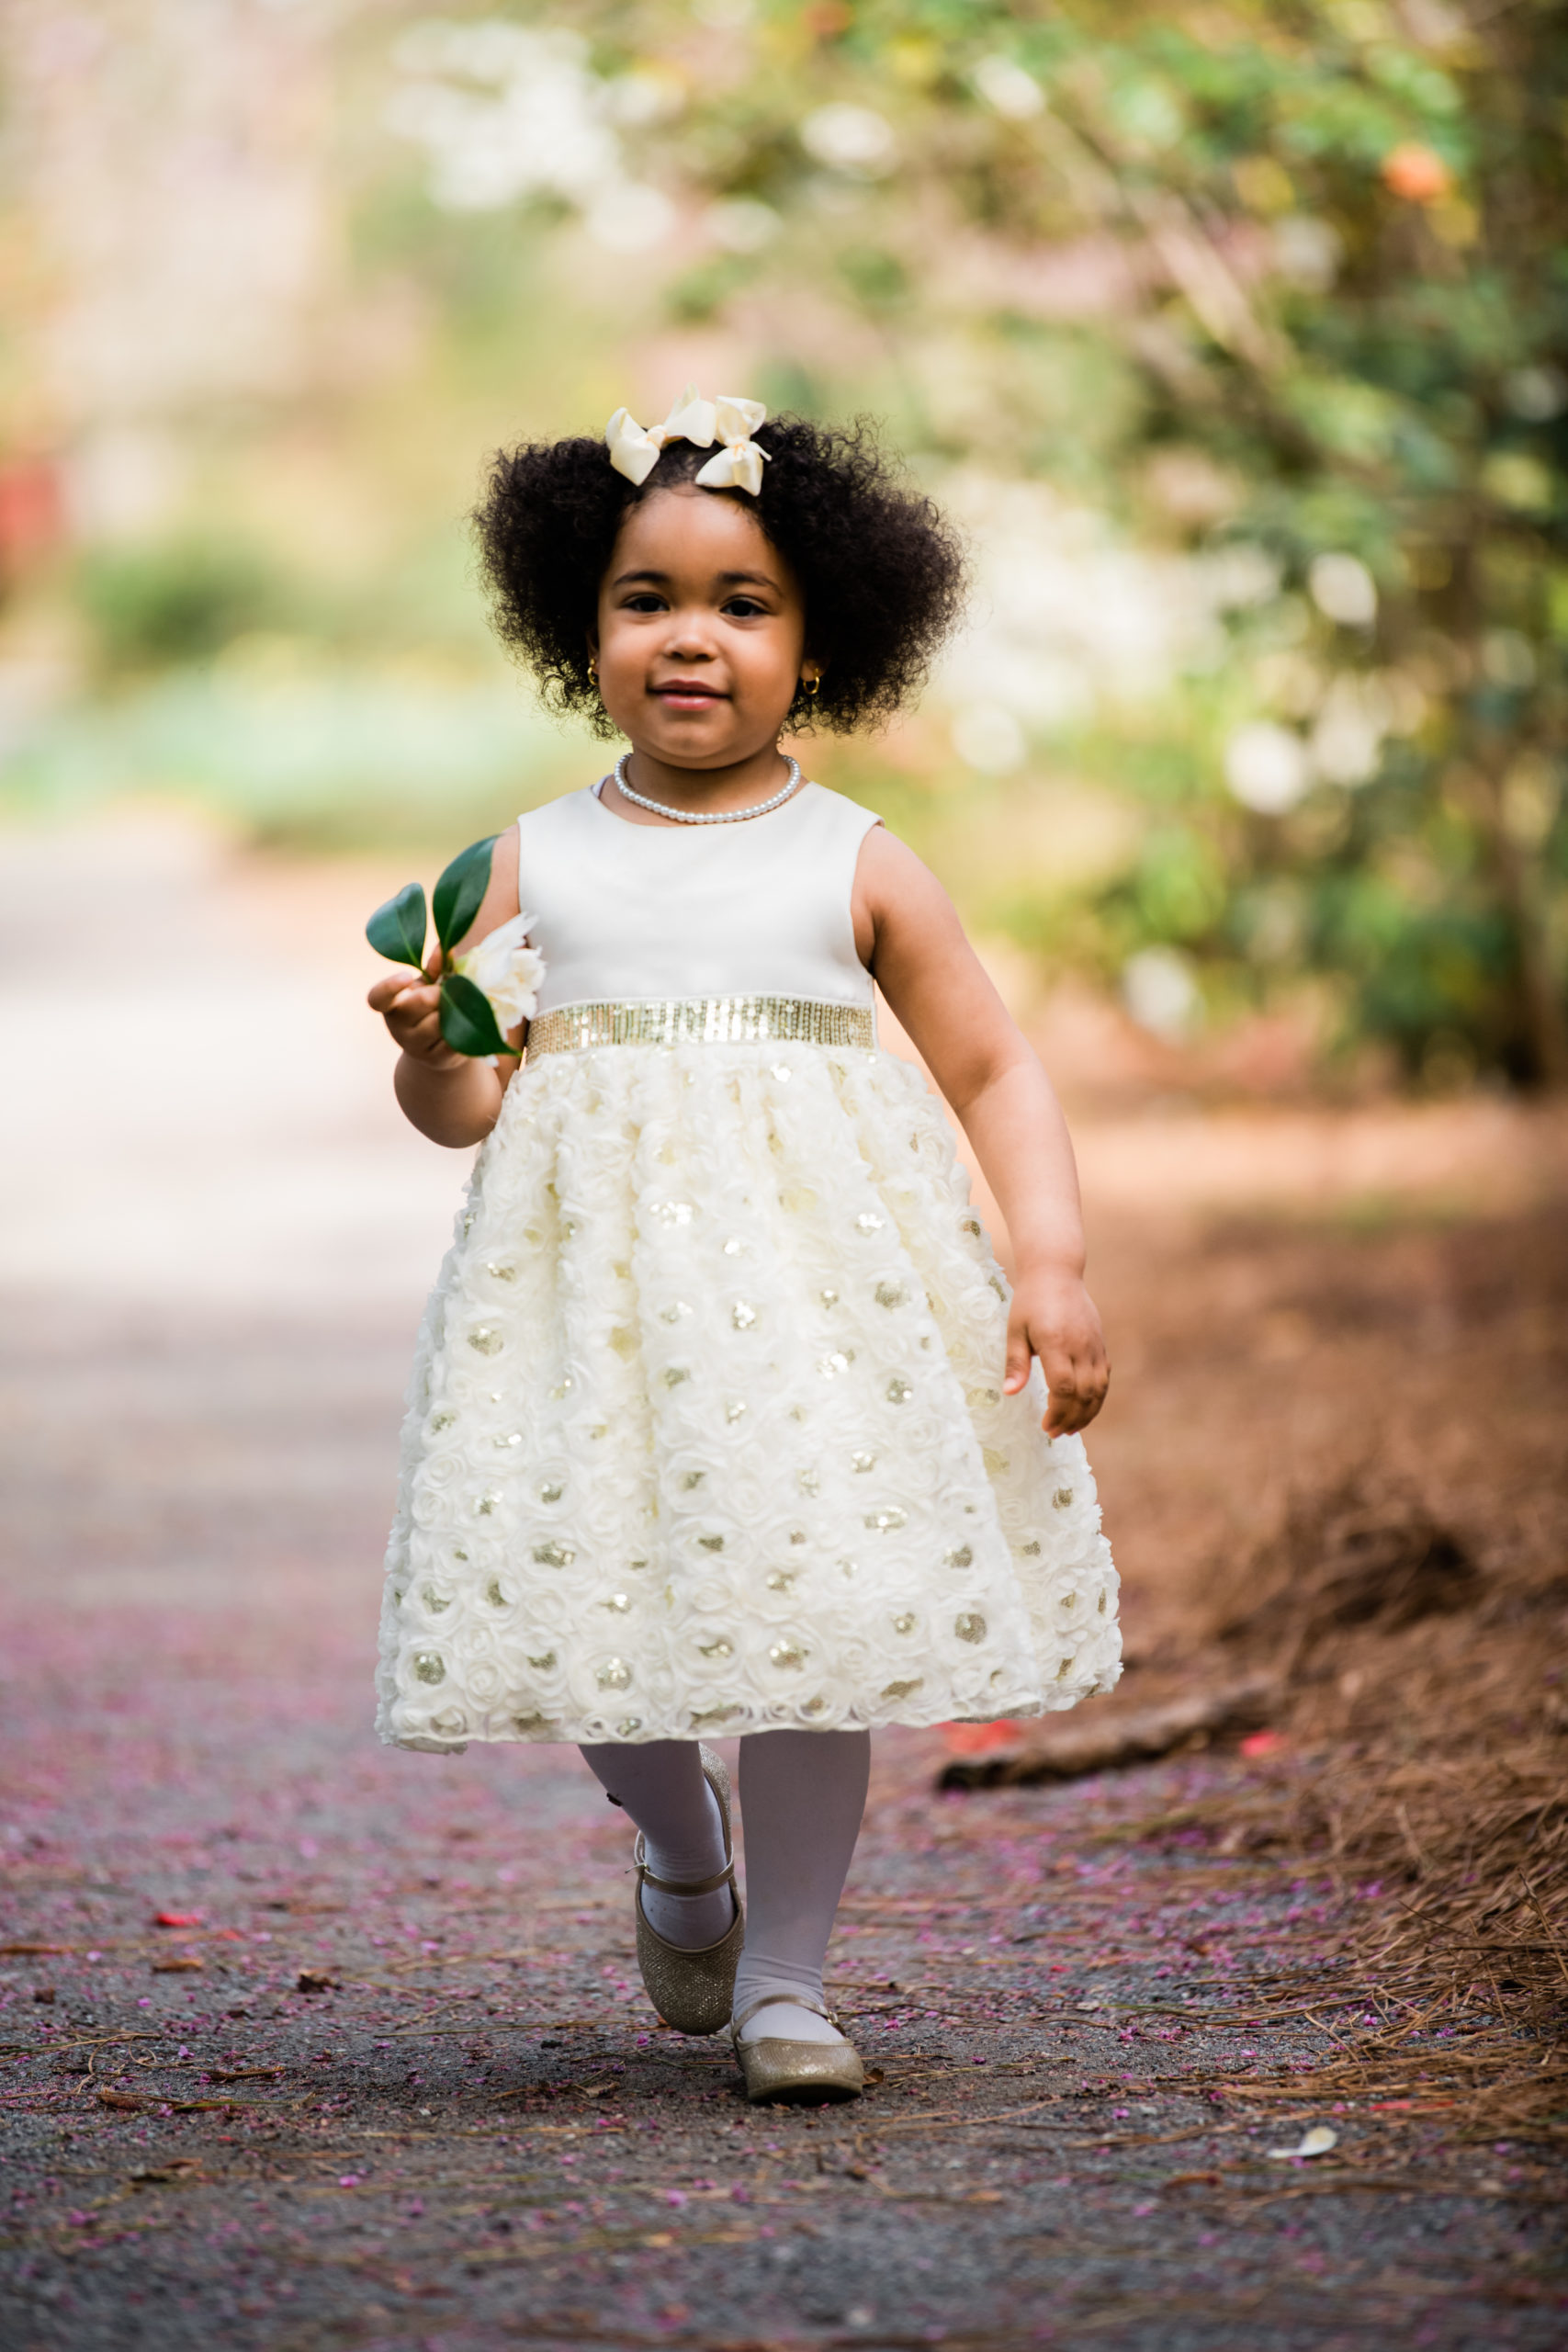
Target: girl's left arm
[910,938]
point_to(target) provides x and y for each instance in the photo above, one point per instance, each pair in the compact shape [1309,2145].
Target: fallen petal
[1316,2142]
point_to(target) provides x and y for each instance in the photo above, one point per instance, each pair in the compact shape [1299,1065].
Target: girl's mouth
[688,694]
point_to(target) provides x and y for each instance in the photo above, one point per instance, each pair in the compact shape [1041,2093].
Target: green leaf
[397,930]
[460,890]
[467,1018]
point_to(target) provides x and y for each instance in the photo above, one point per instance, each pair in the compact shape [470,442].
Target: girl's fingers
[1017,1358]
[405,997]
[1076,1377]
[1077,1386]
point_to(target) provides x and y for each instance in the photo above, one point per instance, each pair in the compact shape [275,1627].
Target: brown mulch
[1396,1613]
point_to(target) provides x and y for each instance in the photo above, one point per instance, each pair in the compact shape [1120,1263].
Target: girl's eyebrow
[726,579]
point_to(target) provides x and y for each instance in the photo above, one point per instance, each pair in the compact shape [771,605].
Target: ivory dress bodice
[638,912]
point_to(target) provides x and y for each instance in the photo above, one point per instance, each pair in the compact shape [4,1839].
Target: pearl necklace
[702,816]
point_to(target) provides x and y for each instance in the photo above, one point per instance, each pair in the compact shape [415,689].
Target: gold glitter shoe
[691,1990]
[798,2072]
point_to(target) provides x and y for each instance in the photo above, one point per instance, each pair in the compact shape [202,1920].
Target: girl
[723,1417]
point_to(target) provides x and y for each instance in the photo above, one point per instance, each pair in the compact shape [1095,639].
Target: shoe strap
[645,1877]
[795,2000]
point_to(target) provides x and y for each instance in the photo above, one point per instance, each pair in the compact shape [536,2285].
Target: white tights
[802,1794]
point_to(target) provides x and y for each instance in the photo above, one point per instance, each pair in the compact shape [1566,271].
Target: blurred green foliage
[1332,325]
[154,604]
[1275,295]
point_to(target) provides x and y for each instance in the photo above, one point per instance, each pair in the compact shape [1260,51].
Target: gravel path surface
[309,2044]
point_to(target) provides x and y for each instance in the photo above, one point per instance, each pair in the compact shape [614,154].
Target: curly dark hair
[880,567]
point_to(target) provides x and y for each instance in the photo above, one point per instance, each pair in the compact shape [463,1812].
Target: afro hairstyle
[880,568]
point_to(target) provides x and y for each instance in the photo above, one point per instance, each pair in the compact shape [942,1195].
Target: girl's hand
[411,1011]
[1053,1318]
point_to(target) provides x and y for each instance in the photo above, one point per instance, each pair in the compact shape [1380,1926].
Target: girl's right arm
[452,1097]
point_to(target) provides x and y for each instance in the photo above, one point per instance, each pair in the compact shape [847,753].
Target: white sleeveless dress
[707,1432]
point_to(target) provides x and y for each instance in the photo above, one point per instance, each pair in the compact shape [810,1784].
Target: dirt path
[385,2075]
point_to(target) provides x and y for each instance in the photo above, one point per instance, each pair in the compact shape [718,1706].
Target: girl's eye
[744,608]
[644,601]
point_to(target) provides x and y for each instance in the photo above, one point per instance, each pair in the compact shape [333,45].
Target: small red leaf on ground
[979,1739]
[1263,1743]
[176,1918]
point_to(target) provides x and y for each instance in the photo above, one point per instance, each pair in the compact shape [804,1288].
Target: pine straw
[1426,1763]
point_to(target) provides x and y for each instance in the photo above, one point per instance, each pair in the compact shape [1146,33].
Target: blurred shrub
[1283,288]
[181,600]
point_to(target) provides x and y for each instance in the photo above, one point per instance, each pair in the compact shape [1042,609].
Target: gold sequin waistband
[702,1020]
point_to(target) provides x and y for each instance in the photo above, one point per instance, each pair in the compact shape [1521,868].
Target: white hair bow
[634,451]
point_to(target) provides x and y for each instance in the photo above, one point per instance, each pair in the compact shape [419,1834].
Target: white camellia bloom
[1343,589]
[1346,740]
[1008,88]
[1160,992]
[986,736]
[742,224]
[507,970]
[1266,767]
[629,217]
[851,139]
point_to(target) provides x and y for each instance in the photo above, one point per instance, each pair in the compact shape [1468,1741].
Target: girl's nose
[690,638]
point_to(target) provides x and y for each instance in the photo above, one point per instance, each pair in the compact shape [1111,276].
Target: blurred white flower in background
[506,111]
[986,736]
[1068,617]
[642,97]
[1343,589]
[851,139]
[741,224]
[1160,992]
[629,219]
[1266,767]
[1537,394]
[1008,88]
[1346,740]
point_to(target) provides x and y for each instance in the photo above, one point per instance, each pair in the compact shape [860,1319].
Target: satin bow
[635,450]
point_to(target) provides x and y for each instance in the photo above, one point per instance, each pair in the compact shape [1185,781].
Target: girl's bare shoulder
[895,890]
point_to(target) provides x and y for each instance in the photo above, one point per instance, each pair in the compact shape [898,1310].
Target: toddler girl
[724,1419]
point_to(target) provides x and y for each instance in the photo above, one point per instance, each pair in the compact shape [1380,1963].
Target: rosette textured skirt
[706,1432]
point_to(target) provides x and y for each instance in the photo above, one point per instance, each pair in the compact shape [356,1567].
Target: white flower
[1160,992]
[851,139]
[1343,589]
[1266,767]
[507,970]
[1009,88]
[986,736]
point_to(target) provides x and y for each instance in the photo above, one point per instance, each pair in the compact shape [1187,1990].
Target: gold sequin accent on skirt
[702,1020]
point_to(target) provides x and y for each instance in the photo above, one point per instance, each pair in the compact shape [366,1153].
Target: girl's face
[701,631]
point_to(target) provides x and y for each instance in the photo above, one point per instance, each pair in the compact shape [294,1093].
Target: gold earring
[593,670]
[813,686]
